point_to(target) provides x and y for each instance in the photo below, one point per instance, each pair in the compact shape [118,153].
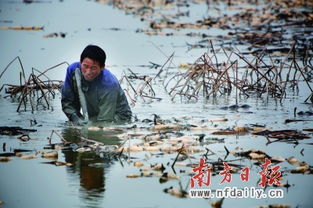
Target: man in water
[94,89]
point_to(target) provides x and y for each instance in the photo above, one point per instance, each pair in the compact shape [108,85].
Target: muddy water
[95,179]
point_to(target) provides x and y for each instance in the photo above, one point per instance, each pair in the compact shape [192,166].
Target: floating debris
[5,159]
[7,154]
[158,167]
[14,130]
[218,120]
[306,113]
[253,154]
[138,164]
[21,28]
[217,204]
[176,192]
[256,24]
[28,157]
[292,160]
[16,152]
[36,1]
[168,176]
[83,149]
[295,120]
[304,168]
[310,130]
[58,163]
[236,107]
[130,149]
[133,176]
[24,137]
[283,135]
[237,130]
[53,35]
[276,206]
[94,128]
[166,127]
[50,155]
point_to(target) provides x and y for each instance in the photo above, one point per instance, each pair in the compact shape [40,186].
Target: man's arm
[69,100]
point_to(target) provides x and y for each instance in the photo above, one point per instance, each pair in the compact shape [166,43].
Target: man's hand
[77,120]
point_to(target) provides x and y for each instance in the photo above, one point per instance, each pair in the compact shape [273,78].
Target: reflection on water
[89,166]
[92,179]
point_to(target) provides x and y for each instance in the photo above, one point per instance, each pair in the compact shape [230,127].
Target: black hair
[95,53]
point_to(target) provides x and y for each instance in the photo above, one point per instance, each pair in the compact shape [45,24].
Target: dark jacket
[104,96]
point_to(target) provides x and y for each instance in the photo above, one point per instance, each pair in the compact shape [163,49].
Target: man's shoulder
[109,79]
[70,72]
[73,66]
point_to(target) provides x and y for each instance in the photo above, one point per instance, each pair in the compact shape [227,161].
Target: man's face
[90,69]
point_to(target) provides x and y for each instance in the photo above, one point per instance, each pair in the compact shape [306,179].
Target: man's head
[92,61]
